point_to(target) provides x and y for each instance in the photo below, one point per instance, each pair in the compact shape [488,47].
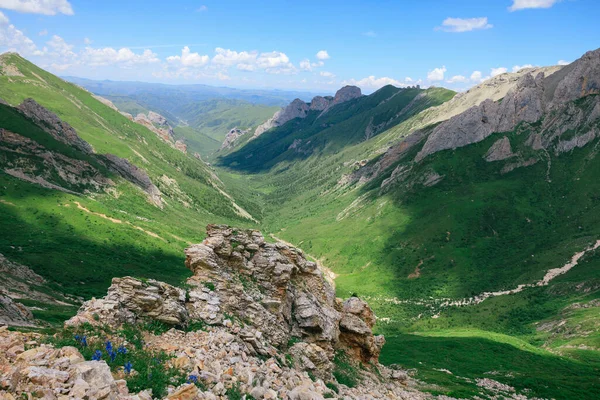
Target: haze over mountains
[467,221]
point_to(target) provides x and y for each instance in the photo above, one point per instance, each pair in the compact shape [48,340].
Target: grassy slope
[82,250]
[469,232]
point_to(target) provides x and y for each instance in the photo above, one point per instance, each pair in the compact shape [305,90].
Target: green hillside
[81,241]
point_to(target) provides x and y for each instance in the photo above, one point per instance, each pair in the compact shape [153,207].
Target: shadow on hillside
[82,264]
[546,375]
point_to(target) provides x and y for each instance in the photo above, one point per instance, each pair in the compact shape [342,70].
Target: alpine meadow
[374,209]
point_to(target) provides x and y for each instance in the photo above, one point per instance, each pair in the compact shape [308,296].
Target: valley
[469,222]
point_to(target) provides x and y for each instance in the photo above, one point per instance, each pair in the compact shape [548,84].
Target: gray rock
[296,109]
[135,175]
[500,150]
[50,122]
[129,300]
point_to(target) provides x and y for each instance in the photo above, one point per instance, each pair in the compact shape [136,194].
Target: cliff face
[534,97]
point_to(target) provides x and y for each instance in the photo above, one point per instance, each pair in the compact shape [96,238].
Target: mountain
[468,223]
[473,219]
[201,115]
[89,194]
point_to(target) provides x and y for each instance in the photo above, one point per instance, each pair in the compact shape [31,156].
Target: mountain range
[467,221]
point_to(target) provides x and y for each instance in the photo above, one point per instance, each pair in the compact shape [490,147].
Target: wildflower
[77,338]
[109,347]
[112,356]
[84,341]
[128,367]
[192,379]
[97,355]
[122,349]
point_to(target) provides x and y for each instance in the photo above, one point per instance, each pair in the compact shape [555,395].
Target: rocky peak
[346,93]
[320,103]
[296,109]
[53,125]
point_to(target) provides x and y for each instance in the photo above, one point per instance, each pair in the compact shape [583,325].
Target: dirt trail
[438,304]
[116,221]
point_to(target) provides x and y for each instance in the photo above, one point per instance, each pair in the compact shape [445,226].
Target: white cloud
[305,65]
[457,78]
[477,77]
[517,68]
[202,8]
[563,62]
[327,74]
[524,4]
[15,40]
[223,77]
[60,48]
[408,79]
[370,34]
[43,32]
[46,7]
[373,83]
[323,55]
[464,24]
[87,41]
[246,67]
[437,74]
[498,71]
[275,62]
[227,58]
[189,59]
[123,57]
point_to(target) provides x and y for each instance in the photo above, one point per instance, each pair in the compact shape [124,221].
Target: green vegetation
[345,372]
[405,248]
[125,353]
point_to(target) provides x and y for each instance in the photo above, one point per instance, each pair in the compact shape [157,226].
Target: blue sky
[310,45]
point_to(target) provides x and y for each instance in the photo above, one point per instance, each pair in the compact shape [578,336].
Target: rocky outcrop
[105,101]
[531,99]
[181,146]
[296,109]
[135,175]
[274,286]
[50,122]
[130,301]
[343,95]
[320,103]
[159,125]
[300,109]
[500,150]
[28,160]
[13,313]
[231,138]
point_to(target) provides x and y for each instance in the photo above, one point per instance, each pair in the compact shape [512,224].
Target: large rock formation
[296,109]
[269,323]
[135,175]
[231,138]
[300,109]
[50,122]
[529,101]
[273,285]
[269,286]
[160,126]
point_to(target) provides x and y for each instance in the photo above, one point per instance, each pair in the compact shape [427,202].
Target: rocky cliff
[534,97]
[77,172]
[271,321]
[300,109]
